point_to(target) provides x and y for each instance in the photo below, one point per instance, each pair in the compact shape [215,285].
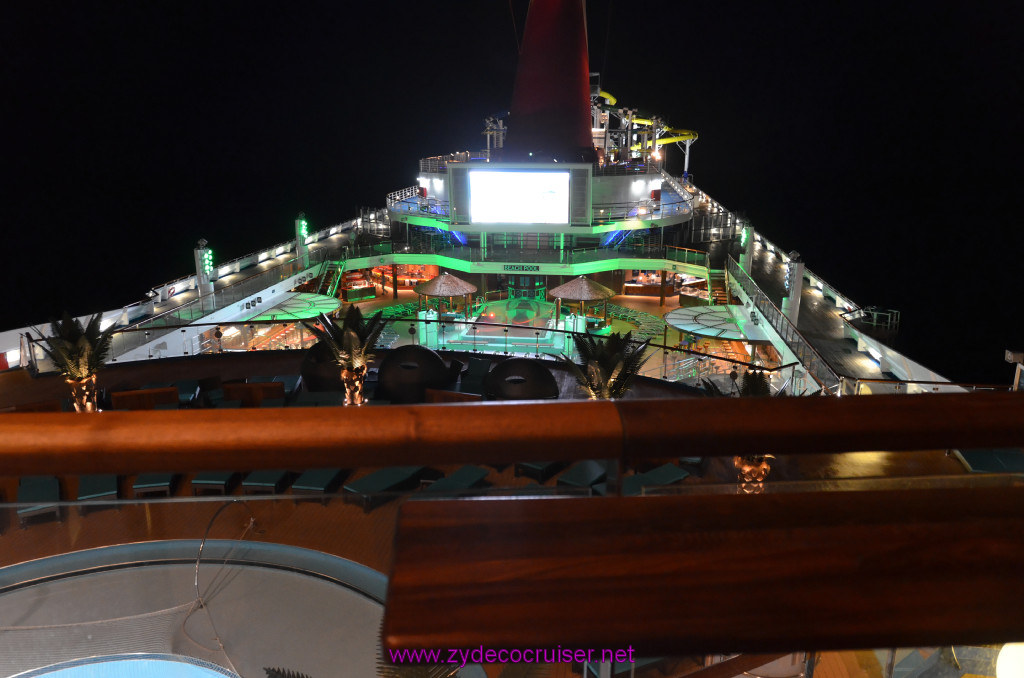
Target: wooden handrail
[693,574]
[195,440]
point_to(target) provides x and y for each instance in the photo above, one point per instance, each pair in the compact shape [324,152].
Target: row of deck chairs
[257,391]
[592,475]
[39,496]
[389,336]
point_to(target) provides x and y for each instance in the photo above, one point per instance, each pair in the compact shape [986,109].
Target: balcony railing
[805,353]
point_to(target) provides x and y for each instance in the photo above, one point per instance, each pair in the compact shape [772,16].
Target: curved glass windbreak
[283,571]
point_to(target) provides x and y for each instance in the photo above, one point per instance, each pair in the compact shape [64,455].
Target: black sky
[879,140]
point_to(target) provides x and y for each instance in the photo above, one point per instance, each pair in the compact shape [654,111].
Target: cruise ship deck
[780,493]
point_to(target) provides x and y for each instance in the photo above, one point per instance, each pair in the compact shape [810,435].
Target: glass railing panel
[349,513]
[724,476]
[206,576]
[815,365]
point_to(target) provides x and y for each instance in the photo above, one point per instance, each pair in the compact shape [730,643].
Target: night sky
[881,141]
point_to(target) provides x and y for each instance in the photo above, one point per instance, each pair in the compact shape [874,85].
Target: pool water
[526,314]
[132,666]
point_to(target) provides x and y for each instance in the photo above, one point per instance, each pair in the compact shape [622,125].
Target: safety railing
[417,205]
[402,194]
[640,210]
[157,326]
[880,317]
[435,244]
[804,352]
[439,163]
[687,191]
[625,169]
[899,387]
[678,254]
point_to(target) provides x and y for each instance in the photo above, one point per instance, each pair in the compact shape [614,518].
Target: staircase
[719,289]
[331,278]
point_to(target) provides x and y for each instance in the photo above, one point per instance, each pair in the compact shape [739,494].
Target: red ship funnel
[550,114]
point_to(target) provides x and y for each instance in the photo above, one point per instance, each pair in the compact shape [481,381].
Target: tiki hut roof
[445,285]
[582,289]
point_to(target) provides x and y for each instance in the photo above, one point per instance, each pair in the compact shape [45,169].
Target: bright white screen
[518,197]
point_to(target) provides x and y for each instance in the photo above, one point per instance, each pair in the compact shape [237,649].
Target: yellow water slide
[679,134]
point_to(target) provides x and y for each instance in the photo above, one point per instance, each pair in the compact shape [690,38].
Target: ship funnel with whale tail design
[550,113]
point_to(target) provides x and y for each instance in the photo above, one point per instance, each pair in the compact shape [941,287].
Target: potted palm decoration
[607,368]
[78,352]
[350,344]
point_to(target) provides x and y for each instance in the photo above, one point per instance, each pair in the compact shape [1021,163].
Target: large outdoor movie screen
[518,197]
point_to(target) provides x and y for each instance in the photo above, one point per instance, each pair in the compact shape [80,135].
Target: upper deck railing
[816,366]
[407,202]
[167,322]
[438,164]
[434,244]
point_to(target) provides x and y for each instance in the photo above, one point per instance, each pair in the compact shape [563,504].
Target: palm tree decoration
[608,367]
[283,673]
[78,352]
[753,469]
[350,344]
[755,383]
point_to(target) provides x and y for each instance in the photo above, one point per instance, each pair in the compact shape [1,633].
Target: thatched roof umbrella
[446,285]
[582,289]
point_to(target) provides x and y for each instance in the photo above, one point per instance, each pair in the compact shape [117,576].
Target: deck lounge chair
[318,483]
[41,493]
[96,488]
[669,474]
[156,384]
[697,466]
[265,482]
[213,482]
[188,390]
[154,484]
[292,383]
[538,470]
[381,486]
[584,474]
[473,379]
[993,460]
[464,478]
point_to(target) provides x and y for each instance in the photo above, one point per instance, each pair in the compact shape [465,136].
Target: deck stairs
[331,278]
[719,289]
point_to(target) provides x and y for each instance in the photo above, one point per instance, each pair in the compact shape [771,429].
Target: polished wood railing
[669,575]
[196,440]
[723,573]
